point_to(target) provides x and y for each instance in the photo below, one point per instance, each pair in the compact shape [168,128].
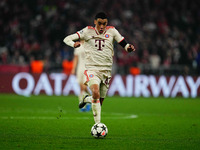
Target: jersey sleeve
[117,36]
[82,33]
[69,40]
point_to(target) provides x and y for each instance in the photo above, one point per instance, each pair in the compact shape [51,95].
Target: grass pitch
[51,122]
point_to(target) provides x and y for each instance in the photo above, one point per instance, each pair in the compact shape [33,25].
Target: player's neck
[98,30]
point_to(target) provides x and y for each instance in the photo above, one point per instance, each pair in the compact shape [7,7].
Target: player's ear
[95,22]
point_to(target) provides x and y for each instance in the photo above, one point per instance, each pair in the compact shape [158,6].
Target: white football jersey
[99,47]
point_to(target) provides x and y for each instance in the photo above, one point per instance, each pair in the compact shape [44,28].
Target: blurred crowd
[165,33]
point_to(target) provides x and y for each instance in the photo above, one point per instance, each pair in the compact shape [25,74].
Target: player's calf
[101,101]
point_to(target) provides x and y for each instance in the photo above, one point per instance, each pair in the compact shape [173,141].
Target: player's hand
[77,44]
[131,48]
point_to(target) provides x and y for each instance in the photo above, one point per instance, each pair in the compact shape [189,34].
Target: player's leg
[84,97]
[83,93]
[104,85]
[101,101]
[96,107]
[103,92]
[90,77]
[86,91]
[93,82]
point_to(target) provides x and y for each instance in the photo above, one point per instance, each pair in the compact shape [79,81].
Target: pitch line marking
[120,116]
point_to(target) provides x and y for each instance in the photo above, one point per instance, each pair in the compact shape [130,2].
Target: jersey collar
[98,31]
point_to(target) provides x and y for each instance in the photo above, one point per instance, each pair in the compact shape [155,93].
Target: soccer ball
[99,130]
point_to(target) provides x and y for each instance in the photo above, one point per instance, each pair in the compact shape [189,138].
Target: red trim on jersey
[91,27]
[121,40]
[78,35]
[110,27]
[85,73]
[96,32]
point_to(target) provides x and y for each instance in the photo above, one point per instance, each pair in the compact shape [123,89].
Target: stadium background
[166,34]
[158,85]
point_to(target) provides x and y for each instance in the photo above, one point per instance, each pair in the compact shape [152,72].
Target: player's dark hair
[101,15]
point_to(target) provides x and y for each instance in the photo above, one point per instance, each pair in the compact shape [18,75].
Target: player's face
[101,24]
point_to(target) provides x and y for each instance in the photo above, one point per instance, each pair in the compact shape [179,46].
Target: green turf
[51,122]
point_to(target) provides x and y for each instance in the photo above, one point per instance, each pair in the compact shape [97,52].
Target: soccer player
[98,45]
[78,69]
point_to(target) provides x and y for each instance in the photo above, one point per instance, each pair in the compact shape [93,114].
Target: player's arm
[69,40]
[120,39]
[126,46]
[75,62]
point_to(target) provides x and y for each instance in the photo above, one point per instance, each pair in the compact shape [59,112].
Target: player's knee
[95,94]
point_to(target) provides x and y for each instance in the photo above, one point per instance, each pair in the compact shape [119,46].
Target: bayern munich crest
[107,35]
[91,75]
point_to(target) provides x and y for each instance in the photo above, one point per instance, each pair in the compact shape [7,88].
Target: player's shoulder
[110,27]
[86,29]
[90,28]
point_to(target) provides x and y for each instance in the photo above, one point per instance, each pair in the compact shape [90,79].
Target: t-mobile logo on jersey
[99,43]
